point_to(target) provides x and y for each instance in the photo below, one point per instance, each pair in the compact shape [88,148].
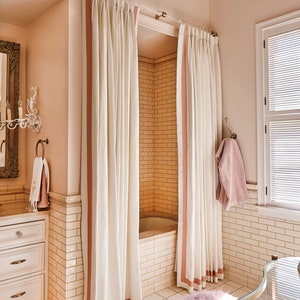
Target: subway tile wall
[66,277]
[157,262]
[12,199]
[250,239]
[147,129]
[166,159]
[158,136]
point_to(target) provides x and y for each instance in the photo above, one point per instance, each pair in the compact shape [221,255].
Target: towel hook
[40,141]
[232,134]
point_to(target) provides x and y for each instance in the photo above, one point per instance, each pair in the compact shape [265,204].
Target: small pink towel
[210,295]
[44,190]
[231,189]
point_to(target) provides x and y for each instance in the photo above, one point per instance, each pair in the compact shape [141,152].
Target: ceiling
[151,44]
[23,12]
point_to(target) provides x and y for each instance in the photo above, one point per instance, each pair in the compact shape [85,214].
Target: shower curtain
[199,243]
[114,260]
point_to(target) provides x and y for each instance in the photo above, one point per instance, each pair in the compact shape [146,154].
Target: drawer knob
[19,233]
[17,262]
[17,295]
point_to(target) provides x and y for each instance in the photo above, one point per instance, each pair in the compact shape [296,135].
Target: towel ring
[40,141]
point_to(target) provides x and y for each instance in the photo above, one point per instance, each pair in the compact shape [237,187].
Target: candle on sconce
[20,109]
[8,111]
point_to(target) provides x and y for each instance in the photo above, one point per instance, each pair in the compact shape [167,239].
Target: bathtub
[155,223]
[157,253]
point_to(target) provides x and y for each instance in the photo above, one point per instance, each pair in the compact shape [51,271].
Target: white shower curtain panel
[115,153]
[199,244]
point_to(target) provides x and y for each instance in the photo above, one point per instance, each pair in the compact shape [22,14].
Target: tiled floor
[175,293]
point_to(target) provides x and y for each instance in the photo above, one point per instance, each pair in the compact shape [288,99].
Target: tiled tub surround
[158,136]
[158,170]
[249,240]
[157,258]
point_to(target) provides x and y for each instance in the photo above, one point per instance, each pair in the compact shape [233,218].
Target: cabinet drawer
[21,261]
[21,234]
[26,289]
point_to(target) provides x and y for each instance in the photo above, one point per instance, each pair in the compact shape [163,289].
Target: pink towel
[210,295]
[231,189]
[44,190]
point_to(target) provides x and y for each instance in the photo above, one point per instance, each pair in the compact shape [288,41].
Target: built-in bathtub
[157,253]
[157,224]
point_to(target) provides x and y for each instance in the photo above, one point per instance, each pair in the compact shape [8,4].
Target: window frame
[264,30]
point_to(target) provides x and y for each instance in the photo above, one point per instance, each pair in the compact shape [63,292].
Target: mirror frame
[11,169]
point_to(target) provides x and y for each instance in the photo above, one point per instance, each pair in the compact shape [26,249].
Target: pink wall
[17,34]
[51,60]
[75,92]
[235,20]
[47,68]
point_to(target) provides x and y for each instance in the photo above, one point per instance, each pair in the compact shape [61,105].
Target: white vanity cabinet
[24,256]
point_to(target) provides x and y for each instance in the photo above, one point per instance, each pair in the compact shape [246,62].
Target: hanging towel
[231,189]
[38,198]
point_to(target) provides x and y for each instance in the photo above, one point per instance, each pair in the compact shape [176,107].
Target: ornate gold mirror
[9,95]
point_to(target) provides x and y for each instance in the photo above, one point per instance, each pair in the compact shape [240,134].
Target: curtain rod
[156,21]
[157,25]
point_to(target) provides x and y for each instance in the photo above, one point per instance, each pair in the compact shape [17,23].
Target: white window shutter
[284,136]
[284,71]
[282,118]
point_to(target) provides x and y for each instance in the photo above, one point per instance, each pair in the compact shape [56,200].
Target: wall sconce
[31,119]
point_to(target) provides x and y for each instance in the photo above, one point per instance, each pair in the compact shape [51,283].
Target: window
[278,115]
